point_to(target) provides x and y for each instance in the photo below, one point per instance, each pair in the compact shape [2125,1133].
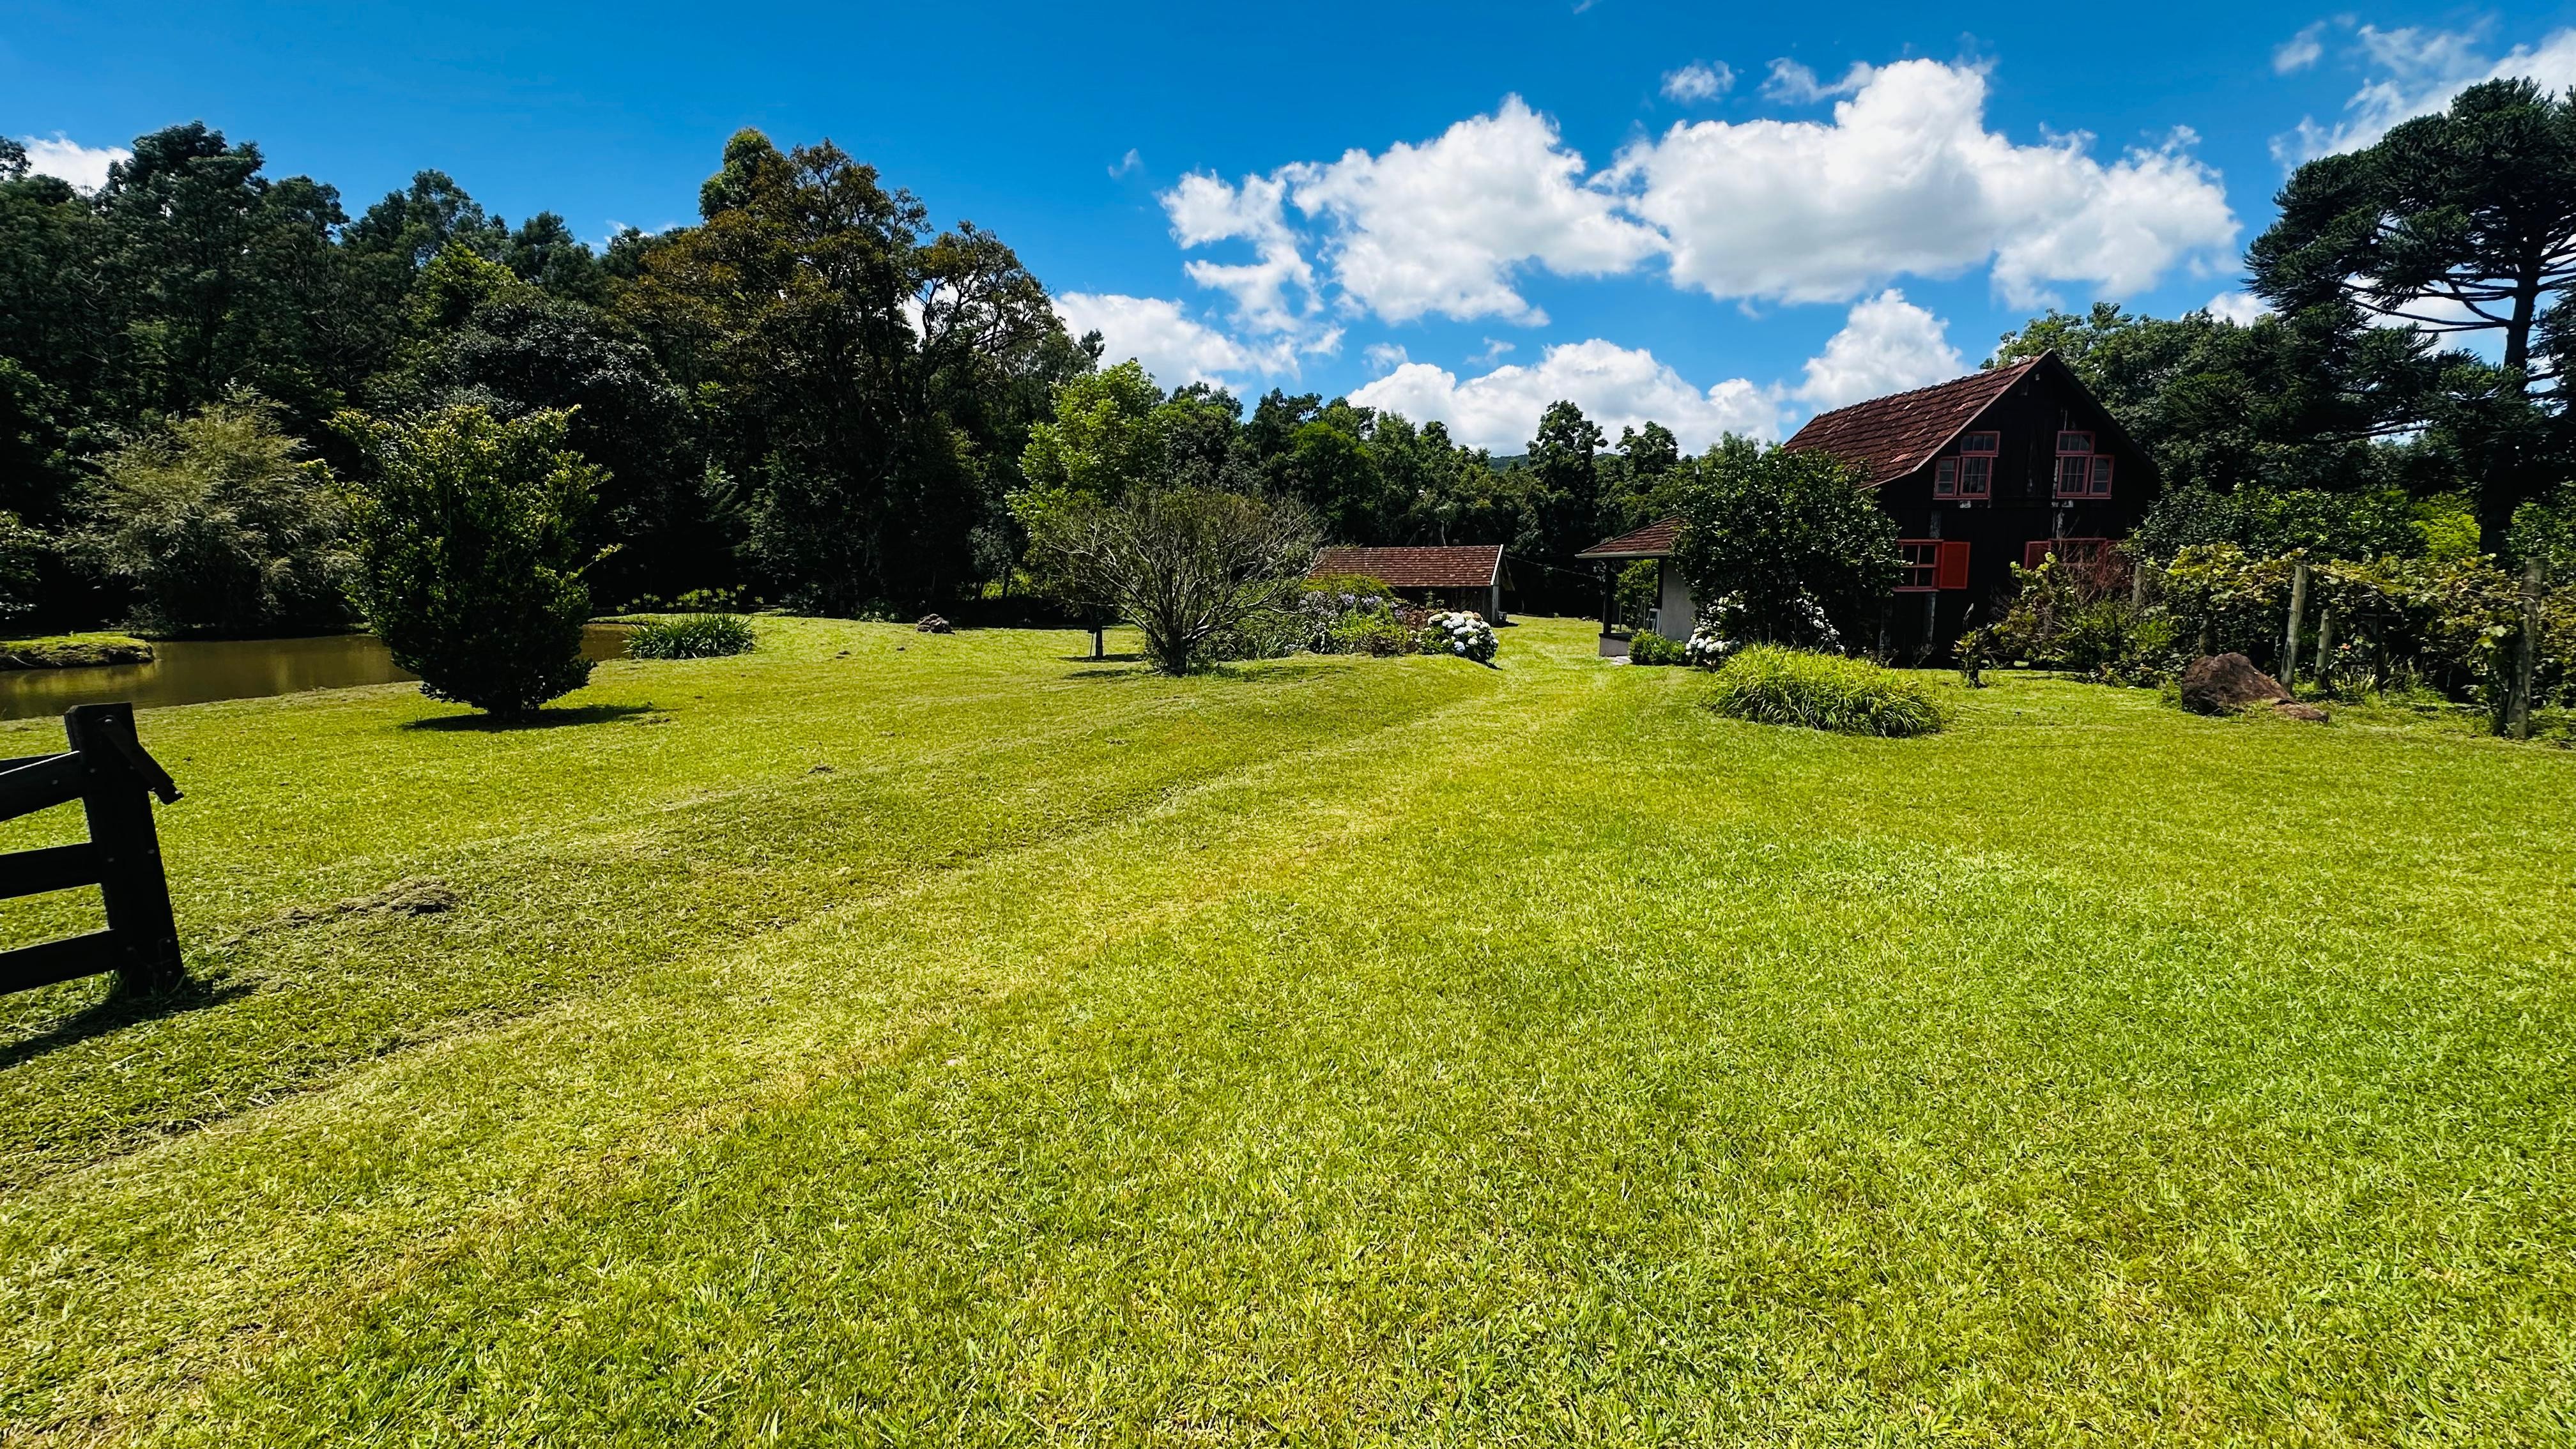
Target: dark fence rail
[107,770]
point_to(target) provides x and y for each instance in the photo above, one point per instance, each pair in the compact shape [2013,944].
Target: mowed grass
[1334,1051]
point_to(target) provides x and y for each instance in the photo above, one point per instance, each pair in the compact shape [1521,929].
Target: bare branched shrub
[1182,564]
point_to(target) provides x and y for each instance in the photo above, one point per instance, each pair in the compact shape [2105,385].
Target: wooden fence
[106,770]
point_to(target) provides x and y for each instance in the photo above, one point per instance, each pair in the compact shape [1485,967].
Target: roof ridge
[1980,375]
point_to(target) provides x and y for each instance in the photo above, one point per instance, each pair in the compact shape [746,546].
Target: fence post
[137,896]
[2290,635]
[2526,649]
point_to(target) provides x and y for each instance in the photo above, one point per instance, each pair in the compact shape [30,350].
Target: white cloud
[1886,345]
[1129,162]
[1439,228]
[1698,81]
[2240,308]
[1906,179]
[1384,356]
[1205,210]
[2416,72]
[2301,50]
[1796,85]
[1615,386]
[1173,347]
[85,167]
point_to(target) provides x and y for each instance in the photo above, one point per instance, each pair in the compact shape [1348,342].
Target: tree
[1564,461]
[1182,564]
[872,388]
[2316,400]
[486,336]
[2456,223]
[1786,543]
[470,560]
[1103,439]
[221,527]
[1637,482]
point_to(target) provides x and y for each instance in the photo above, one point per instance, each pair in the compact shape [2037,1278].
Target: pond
[192,672]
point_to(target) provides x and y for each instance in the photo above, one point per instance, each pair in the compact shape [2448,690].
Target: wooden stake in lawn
[107,770]
[2526,649]
[2290,636]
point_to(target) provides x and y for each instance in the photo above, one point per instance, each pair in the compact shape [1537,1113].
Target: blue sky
[1720,217]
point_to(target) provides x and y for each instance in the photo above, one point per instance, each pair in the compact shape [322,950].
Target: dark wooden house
[1467,578]
[1983,472]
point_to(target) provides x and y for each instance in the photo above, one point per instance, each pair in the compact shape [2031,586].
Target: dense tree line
[814,398]
[809,394]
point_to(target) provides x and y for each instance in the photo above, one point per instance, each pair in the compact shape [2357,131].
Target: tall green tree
[873,386]
[2458,223]
[484,336]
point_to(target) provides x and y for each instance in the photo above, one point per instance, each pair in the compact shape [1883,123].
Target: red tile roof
[1894,435]
[1458,566]
[1655,540]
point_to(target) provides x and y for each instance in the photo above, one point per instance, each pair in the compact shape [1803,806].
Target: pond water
[192,672]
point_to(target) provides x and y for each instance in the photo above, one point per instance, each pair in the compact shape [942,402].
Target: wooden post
[144,934]
[2290,635]
[2526,650]
[2325,640]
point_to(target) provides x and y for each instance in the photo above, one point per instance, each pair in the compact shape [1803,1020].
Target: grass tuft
[691,636]
[1769,685]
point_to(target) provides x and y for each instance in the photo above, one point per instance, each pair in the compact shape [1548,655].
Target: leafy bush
[23,551]
[697,636]
[1380,634]
[469,561]
[1467,636]
[1788,543]
[221,528]
[1650,648]
[1770,685]
[2079,615]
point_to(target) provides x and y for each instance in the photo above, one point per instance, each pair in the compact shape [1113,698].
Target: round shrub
[1648,647]
[1467,636]
[1771,685]
[697,636]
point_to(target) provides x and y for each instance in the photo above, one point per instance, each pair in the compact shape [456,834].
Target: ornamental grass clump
[695,636]
[1467,636]
[1770,685]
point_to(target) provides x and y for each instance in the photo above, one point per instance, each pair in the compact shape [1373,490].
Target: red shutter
[1954,566]
[2035,552]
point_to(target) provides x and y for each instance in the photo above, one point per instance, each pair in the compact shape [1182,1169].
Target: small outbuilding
[1466,578]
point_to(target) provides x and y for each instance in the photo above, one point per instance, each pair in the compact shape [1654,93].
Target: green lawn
[900,1038]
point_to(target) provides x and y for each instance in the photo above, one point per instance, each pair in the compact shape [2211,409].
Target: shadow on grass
[118,1011]
[1103,658]
[543,719]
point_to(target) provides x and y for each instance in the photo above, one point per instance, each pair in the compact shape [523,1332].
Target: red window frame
[1922,565]
[2081,472]
[1970,475]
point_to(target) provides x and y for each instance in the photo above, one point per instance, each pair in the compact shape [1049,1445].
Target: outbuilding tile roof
[1442,566]
[1894,435]
[1655,540]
